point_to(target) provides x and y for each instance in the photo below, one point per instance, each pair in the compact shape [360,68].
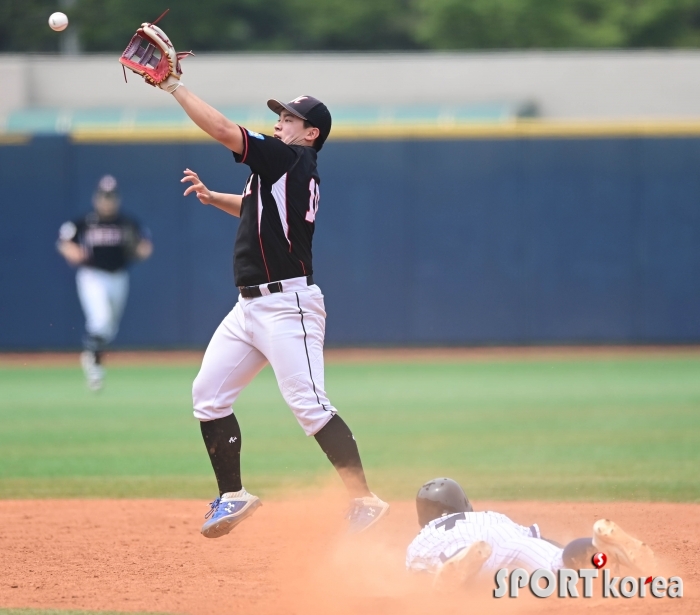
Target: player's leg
[229,364]
[112,288]
[621,548]
[511,550]
[463,565]
[117,293]
[94,300]
[290,330]
[293,343]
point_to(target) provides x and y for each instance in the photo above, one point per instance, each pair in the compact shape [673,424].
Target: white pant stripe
[261,330]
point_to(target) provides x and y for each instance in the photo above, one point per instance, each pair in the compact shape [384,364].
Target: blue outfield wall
[508,241]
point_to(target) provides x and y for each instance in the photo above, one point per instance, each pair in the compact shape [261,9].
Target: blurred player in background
[102,245]
[456,543]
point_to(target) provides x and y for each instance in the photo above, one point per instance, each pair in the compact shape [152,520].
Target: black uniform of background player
[102,244]
[109,243]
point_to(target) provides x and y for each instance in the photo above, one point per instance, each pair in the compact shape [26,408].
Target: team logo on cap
[298,99]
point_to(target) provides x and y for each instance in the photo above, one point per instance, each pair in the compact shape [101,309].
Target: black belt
[249,292]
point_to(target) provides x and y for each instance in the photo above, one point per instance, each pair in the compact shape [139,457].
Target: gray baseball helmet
[438,497]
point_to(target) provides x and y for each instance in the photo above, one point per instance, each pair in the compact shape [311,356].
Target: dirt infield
[291,558]
[369,355]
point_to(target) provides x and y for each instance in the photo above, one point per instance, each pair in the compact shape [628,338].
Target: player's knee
[101,329]
[211,414]
[578,553]
[311,411]
[204,402]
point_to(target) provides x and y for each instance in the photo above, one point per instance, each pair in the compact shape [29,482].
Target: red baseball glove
[151,55]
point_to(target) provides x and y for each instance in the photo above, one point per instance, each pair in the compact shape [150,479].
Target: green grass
[584,429]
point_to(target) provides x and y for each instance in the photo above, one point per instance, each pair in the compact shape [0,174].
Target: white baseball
[58,21]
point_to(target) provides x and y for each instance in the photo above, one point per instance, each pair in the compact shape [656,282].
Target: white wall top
[563,85]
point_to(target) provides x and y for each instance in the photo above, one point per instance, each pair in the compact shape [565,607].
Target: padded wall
[417,242]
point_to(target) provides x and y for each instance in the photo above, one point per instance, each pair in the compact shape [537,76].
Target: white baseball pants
[284,329]
[102,296]
[511,550]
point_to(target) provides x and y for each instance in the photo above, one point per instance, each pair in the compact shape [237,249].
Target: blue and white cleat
[228,511]
[365,512]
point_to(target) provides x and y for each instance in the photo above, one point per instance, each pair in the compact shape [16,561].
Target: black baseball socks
[222,438]
[94,344]
[337,441]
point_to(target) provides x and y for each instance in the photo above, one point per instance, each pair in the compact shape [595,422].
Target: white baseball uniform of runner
[285,329]
[513,545]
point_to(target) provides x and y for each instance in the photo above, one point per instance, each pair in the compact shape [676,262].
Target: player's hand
[144,249]
[201,191]
[72,252]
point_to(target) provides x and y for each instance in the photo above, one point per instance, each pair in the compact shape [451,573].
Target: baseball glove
[151,55]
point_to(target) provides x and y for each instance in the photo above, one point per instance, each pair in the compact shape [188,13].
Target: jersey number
[314,196]
[449,523]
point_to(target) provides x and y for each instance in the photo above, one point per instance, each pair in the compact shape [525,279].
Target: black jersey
[110,243]
[278,211]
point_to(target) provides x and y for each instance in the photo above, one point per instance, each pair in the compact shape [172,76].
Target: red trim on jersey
[302,266]
[245,144]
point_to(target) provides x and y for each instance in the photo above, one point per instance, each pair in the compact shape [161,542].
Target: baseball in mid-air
[58,21]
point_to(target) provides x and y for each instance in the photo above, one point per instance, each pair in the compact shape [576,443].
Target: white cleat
[619,546]
[94,373]
[463,566]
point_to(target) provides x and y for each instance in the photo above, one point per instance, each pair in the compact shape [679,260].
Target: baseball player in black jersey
[279,317]
[102,245]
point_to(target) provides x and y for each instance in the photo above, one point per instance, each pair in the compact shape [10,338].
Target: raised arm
[230,203]
[166,73]
[211,121]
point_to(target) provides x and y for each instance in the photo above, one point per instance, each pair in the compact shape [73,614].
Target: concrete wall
[14,83]
[574,85]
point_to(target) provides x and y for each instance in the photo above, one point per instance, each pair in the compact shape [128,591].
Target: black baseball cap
[310,109]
